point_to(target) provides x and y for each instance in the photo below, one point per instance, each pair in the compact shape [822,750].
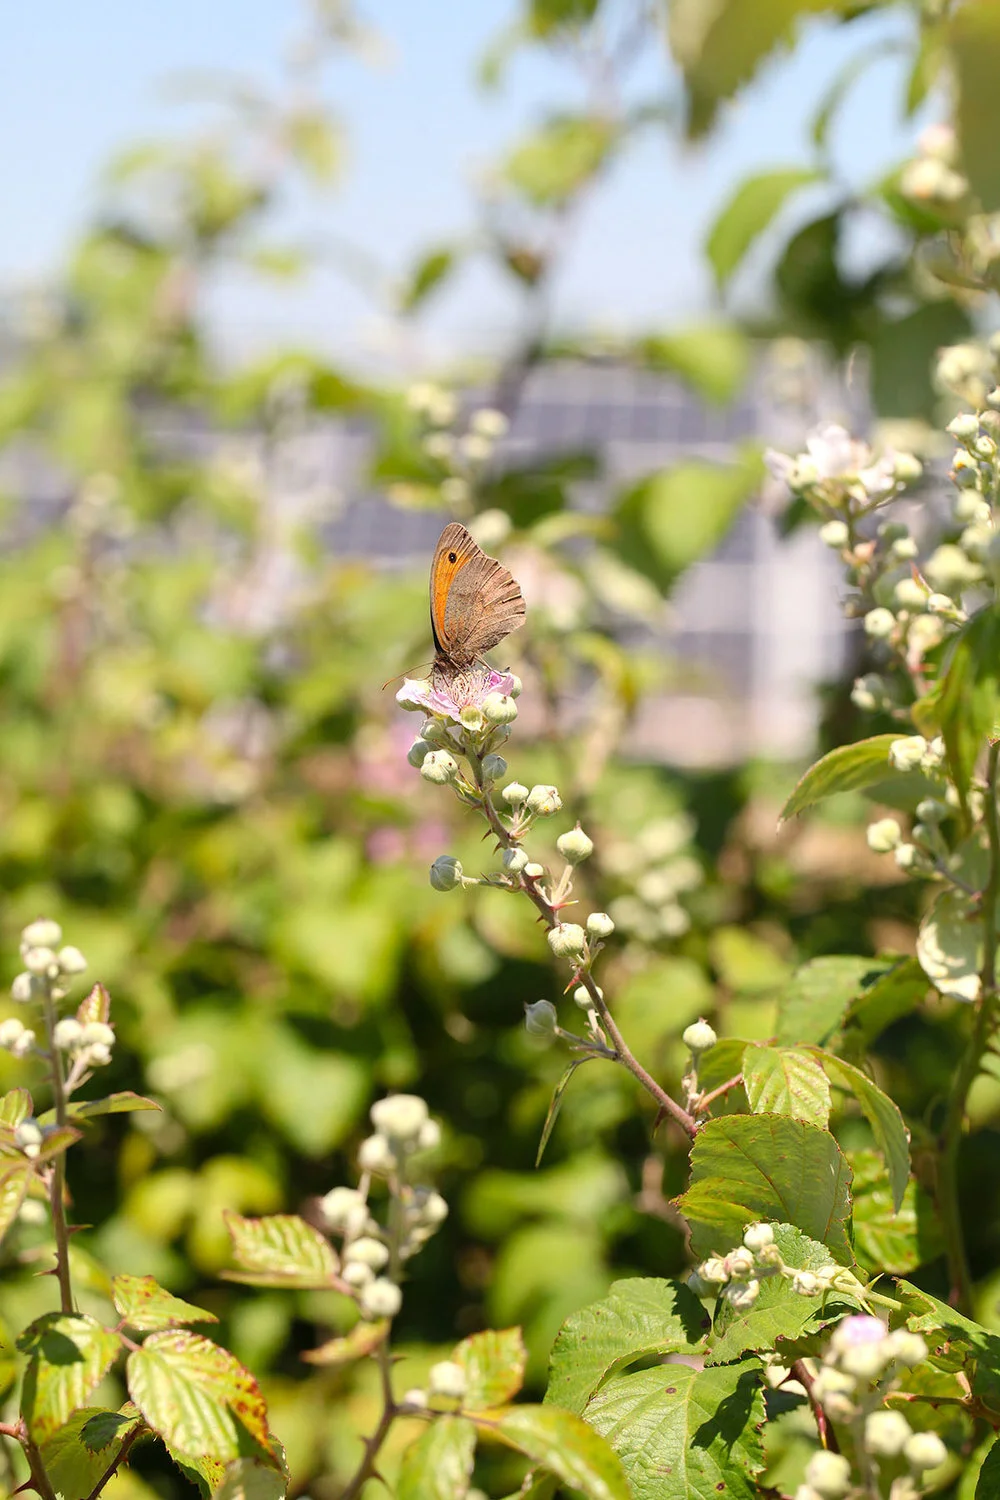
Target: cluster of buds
[736,1277]
[841,478]
[88,1044]
[463,454]
[447,1383]
[932,178]
[372,1256]
[926,851]
[658,867]
[49,967]
[861,1366]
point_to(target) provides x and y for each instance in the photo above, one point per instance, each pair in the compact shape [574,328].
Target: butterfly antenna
[409,671]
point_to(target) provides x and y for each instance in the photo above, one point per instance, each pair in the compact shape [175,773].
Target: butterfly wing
[475,601]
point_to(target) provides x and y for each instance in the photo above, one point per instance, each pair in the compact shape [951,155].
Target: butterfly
[475,601]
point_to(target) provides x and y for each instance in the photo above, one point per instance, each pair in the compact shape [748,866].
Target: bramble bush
[322,1187]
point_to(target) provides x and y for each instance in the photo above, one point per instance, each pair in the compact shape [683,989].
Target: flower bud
[432,1208]
[42,934]
[534,870]
[868,692]
[904,549]
[757,1236]
[368,1252]
[414,1397]
[494,766]
[344,1208]
[39,960]
[67,1033]
[906,754]
[71,960]
[446,872]
[375,1155]
[418,752]
[905,856]
[940,604]
[924,1450]
[97,1033]
[514,794]
[540,1018]
[909,594]
[357,1274]
[583,998]
[699,1037]
[714,1271]
[805,1283]
[399,1116]
[906,1348]
[886,1433]
[516,685]
[879,623]
[884,836]
[740,1263]
[829,1474]
[964,427]
[439,768]
[499,709]
[28,1136]
[544,801]
[489,422]
[448,1379]
[27,987]
[514,860]
[429,1138]
[575,846]
[567,940]
[907,468]
[834,534]
[600,925]
[11,1032]
[743,1296]
[436,732]
[380,1299]
[472,718]
[964,470]
[476,447]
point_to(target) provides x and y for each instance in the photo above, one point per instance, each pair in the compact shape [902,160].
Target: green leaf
[685,1434]
[438,1465]
[13,1187]
[198,1397]
[124,1103]
[751,209]
[362,1340]
[640,1317]
[672,518]
[779,1312]
[550,167]
[493,1362]
[902,358]
[68,1357]
[750,1167]
[563,1443]
[785,1081]
[281,1250]
[885,1240]
[15,1107]
[146,1306]
[430,272]
[974,36]
[849,768]
[101,1428]
[555,1104]
[988,1484]
[246,1479]
[897,991]
[813,1005]
[714,360]
[950,948]
[891,1135]
[966,703]
[73,1465]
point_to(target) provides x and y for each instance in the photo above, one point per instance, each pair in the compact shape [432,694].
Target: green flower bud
[439,768]
[985,448]
[543,801]
[516,685]
[904,549]
[369,1252]
[71,960]
[924,1450]
[400,1116]
[418,752]
[930,810]
[431,1207]
[575,846]
[29,1137]
[940,604]
[435,731]
[829,1474]
[499,709]
[534,870]
[906,754]
[835,534]
[514,794]
[380,1299]
[972,507]
[906,1348]
[907,468]
[884,836]
[600,925]
[909,594]
[494,766]
[42,934]
[447,1379]
[471,718]
[964,427]
[906,855]
[583,998]
[567,940]
[540,1018]
[757,1236]
[886,1433]
[879,623]
[446,873]
[514,860]
[699,1037]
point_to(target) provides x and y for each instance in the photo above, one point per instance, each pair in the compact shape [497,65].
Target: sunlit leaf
[146,1306]
[280,1250]
[849,768]
[891,1134]
[438,1465]
[68,1356]
[362,1340]
[198,1397]
[563,1443]
[786,1081]
[754,205]
[974,36]
[493,1362]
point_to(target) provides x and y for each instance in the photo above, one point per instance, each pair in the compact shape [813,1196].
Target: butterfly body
[475,601]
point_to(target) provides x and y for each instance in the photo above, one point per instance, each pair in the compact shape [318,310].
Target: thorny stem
[57,1182]
[550,917]
[116,1464]
[951,1140]
[366,1469]
[702,1101]
[39,1478]
[801,1372]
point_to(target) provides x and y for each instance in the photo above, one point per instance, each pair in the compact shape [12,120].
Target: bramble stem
[366,1469]
[57,1181]
[550,916]
[827,1436]
[951,1140]
[116,1464]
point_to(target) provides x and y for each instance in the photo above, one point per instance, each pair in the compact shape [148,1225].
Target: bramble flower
[884,836]
[446,694]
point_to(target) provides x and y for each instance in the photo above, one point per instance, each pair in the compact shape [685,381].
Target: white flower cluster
[49,967]
[16,1038]
[737,1276]
[932,176]
[840,475]
[88,1045]
[861,1366]
[926,849]
[463,453]
[371,1256]
[657,868]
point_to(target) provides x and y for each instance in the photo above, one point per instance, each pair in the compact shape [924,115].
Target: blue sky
[82,81]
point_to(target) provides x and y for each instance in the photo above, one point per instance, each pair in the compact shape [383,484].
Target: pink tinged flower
[781,465]
[859,1329]
[835,453]
[449,692]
